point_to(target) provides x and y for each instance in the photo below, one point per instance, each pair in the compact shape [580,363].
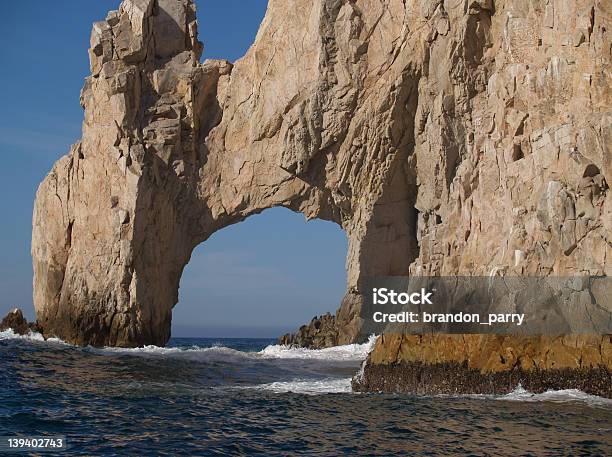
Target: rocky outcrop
[488,364]
[320,333]
[459,379]
[15,321]
[445,138]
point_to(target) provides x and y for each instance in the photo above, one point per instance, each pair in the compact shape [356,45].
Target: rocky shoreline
[458,379]
[487,364]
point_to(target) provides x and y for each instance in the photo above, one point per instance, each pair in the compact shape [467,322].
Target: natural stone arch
[173,151]
[397,120]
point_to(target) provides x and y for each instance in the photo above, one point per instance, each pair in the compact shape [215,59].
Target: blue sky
[273,271]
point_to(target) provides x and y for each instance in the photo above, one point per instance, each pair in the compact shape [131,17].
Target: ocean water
[250,397]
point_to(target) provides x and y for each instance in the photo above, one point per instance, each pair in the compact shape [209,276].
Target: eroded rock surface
[321,332]
[488,364]
[468,137]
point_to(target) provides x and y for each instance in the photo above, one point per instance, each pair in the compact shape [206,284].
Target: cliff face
[445,137]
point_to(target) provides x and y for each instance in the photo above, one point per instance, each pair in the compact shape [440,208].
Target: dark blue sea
[249,397]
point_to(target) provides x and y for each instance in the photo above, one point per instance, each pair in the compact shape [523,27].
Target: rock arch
[395,120]
[174,150]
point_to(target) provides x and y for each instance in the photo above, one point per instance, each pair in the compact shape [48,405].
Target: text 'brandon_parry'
[384,296]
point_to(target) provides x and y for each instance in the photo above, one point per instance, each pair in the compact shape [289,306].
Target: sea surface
[249,397]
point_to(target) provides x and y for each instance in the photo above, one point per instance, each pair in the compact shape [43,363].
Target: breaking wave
[520,394]
[31,336]
[309,386]
[349,352]
[557,396]
[346,353]
[169,351]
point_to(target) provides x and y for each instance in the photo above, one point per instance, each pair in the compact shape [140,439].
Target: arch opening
[262,277]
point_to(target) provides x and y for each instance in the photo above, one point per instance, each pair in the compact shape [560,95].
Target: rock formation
[15,321]
[463,137]
[321,332]
[485,364]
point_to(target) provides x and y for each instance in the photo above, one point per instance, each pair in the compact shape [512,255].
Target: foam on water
[31,336]
[193,353]
[343,385]
[309,386]
[349,352]
[352,352]
[520,394]
[558,396]
[157,350]
[11,335]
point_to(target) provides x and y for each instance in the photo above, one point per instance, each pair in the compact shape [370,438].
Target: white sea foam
[557,396]
[349,352]
[361,373]
[195,353]
[520,394]
[11,335]
[346,353]
[31,336]
[309,386]
[153,350]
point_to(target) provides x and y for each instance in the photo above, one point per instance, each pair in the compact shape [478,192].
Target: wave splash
[349,352]
[31,336]
[309,386]
[557,396]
